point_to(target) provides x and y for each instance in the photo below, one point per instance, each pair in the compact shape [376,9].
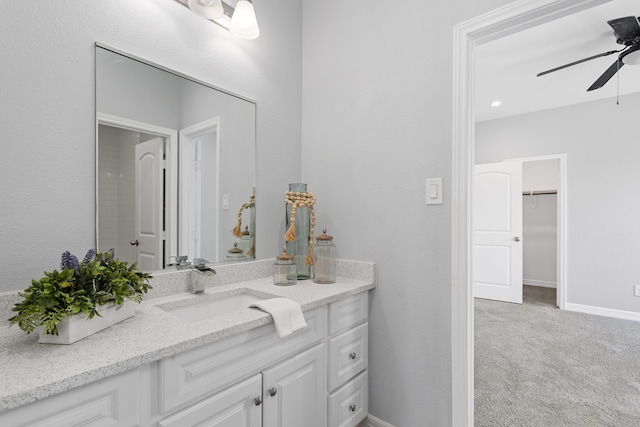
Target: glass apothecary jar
[324,263]
[285,271]
[235,254]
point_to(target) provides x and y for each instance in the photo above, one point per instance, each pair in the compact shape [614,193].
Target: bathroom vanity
[232,369]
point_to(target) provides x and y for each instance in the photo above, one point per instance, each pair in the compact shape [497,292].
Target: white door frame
[509,19]
[562,281]
[171,191]
[187,202]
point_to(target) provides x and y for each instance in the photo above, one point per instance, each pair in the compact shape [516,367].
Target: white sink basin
[213,307]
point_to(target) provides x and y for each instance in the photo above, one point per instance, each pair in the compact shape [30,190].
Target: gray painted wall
[377,102]
[600,139]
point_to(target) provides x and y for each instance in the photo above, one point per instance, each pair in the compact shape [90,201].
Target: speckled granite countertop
[31,371]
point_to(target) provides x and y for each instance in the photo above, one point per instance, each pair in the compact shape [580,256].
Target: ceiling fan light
[632,58]
[210,9]
[243,22]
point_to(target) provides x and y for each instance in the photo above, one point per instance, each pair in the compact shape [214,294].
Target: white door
[294,392]
[149,199]
[237,406]
[497,232]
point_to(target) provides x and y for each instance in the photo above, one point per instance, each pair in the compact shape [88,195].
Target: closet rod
[537,193]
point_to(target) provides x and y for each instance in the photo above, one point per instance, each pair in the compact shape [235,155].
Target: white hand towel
[287,314]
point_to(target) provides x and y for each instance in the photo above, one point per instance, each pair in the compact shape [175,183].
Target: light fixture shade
[633,57]
[210,9]
[243,21]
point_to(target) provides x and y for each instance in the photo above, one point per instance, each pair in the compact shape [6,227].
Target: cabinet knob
[352,408]
[134,243]
[273,391]
[258,401]
[353,356]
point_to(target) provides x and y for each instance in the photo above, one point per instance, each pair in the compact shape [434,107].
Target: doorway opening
[499,23]
[136,191]
[517,253]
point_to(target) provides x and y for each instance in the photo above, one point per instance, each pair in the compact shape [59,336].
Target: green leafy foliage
[99,280]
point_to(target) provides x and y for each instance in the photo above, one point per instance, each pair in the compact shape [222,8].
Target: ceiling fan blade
[626,29]
[604,78]
[578,62]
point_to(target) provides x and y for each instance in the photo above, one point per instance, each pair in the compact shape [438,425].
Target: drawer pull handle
[258,401]
[353,356]
[352,408]
[273,391]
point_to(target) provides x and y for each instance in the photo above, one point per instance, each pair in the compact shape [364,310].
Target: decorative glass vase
[299,248]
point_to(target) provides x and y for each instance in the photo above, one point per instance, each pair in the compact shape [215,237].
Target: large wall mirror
[175,165]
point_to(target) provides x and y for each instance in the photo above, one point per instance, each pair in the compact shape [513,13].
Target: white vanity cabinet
[113,401]
[284,395]
[316,377]
[348,361]
[237,406]
[294,391]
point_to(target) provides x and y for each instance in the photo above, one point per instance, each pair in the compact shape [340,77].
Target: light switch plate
[434,191]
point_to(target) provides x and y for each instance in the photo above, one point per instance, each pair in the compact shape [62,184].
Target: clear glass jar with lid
[324,259]
[235,254]
[285,271]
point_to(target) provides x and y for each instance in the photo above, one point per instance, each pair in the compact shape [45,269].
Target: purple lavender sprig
[69,261]
[88,257]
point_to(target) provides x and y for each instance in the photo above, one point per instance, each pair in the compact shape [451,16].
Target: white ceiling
[506,68]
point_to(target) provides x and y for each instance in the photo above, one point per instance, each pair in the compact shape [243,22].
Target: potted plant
[80,299]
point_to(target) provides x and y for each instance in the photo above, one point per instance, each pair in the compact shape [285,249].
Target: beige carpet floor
[536,365]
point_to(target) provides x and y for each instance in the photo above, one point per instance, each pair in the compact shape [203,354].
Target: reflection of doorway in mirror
[136,211]
[120,179]
[199,188]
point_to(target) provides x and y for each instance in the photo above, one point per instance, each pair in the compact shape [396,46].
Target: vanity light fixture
[239,20]
[210,9]
[243,21]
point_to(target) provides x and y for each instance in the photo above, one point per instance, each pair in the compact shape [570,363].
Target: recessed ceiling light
[496,103]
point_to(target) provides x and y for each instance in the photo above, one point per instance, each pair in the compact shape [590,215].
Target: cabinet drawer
[113,401]
[349,405]
[348,312]
[198,373]
[348,355]
[235,406]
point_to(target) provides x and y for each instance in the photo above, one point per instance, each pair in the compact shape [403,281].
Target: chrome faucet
[197,283]
[181,262]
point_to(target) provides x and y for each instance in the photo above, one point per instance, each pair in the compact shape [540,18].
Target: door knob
[134,243]
[516,239]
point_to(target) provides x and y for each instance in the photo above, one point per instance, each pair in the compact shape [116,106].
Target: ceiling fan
[627,33]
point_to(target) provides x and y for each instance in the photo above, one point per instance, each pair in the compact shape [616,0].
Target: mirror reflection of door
[149,204]
[131,195]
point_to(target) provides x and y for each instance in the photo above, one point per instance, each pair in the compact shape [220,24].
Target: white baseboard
[608,312]
[540,283]
[372,421]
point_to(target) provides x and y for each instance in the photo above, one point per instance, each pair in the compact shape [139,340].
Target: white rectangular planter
[79,326]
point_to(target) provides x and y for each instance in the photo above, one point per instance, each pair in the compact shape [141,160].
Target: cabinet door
[113,401]
[233,407]
[294,391]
